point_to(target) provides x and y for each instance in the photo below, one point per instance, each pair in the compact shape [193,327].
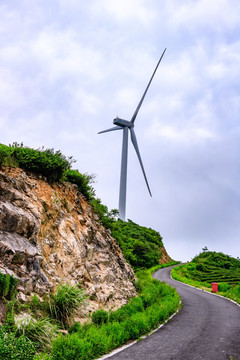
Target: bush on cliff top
[141,246]
[83,182]
[53,165]
[47,162]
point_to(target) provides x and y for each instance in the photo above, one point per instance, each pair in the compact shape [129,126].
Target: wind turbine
[126,125]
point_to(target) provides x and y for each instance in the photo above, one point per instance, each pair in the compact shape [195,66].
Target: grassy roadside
[224,270]
[155,303]
[35,335]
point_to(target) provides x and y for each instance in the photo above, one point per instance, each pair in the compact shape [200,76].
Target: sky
[69,67]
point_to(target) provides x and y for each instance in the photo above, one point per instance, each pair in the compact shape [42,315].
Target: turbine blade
[134,141]
[111,129]
[141,101]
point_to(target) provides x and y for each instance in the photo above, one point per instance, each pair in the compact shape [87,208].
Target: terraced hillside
[209,267]
[214,267]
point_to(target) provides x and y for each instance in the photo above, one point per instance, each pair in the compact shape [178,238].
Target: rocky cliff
[49,234]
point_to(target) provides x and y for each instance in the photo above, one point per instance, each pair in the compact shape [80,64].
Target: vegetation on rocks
[141,246]
[46,162]
[51,164]
[62,303]
[31,327]
[7,286]
[13,347]
[211,266]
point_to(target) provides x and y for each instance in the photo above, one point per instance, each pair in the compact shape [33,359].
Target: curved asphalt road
[207,328]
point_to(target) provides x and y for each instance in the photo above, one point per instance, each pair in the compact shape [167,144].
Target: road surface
[207,327]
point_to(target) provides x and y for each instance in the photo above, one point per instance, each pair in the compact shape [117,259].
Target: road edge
[116,351]
[208,292]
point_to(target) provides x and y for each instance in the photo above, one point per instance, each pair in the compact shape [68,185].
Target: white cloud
[62,54]
[126,10]
[194,13]
[10,89]
[188,135]
[88,102]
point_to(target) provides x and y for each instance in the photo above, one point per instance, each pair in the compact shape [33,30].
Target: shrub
[102,211]
[35,304]
[7,286]
[5,155]
[62,304]
[46,162]
[83,182]
[141,246]
[13,347]
[99,317]
[49,163]
[76,327]
[223,287]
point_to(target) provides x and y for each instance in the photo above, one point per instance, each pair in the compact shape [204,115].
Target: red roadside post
[214,287]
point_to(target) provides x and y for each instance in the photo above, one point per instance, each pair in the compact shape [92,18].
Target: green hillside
[215,267]
[141,246]
[211,266]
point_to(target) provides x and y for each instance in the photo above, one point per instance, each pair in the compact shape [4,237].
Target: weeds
[62,304]
[40,331]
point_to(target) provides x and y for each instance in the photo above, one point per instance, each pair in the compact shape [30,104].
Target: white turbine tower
[125,125]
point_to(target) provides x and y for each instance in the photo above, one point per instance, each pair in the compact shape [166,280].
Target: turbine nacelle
[122,122]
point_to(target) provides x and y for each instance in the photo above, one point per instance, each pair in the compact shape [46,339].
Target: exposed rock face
[165,258]
[49,234]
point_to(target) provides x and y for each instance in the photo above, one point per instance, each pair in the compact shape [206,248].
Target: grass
[40,331]
[33,336]
[62,304]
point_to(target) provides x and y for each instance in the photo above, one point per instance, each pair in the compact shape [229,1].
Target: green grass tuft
[40,331]
[62,304]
